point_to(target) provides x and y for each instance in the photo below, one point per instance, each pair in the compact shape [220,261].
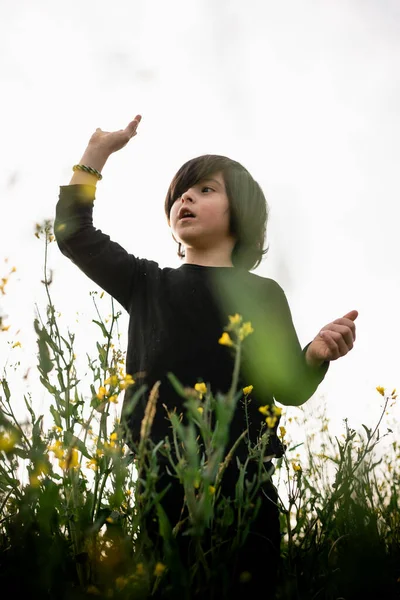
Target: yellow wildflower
[282,431]
[381,390]
[393,394]
[159,569]
[114,436]
[247,390]
[201,387]
[271,422]
[73,459]
[16,345]
[128,492]
[101,393]
[235,319]
[264,409]
[8,441]
[92,464]
[127,380]
[245,330]
[57,449]
[277,411]
[114,398]
[99,452]
[225,340]
[110,520]
[56,428]
[139,569]
[113,380]
[296,467]
[196,483]
[121,582]
[200,409]
[211,489]
[5,327]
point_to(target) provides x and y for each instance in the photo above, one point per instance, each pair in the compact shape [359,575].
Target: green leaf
[56,416]
[6,389]
[28,406]
[102,327]
[71,440]
[48,386]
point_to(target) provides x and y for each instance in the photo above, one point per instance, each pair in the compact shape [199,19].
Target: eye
[207,188]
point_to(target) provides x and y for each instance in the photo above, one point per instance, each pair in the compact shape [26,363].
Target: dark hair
[248,206]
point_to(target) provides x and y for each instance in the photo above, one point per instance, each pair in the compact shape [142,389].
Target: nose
[184,197]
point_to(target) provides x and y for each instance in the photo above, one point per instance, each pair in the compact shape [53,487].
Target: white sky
[304,95]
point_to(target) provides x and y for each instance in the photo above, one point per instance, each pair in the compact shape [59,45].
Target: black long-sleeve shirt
[177,316]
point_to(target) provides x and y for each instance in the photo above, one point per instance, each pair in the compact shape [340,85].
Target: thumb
[353,314]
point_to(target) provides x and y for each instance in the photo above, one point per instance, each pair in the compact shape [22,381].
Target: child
[177,316]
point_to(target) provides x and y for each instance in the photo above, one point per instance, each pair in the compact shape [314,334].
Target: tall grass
[74,527]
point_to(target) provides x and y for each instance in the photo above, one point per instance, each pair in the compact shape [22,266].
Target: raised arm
[102,260]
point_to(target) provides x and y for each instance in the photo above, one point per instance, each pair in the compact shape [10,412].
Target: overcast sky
[306,95]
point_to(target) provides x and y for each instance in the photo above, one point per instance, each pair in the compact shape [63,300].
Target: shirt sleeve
[105,262]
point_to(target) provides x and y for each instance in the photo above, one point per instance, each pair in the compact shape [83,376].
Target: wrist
[313,362]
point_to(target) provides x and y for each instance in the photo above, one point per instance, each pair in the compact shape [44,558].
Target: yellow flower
[110,520]
[245,330]
[271,422]
[16,345]
[200,409]
[5,327]
[57,449]
[113,398]
[140,569]
[277,411]
[159,569]
[196,484]
[92,464]
[113,380]
[73,462]
[235,319]
[264,409]
[8,441]
[201,387]
[381,390]
[225,340]
[128,492]
[247,390]
[99,452]
[114,436]
[282,431]
[121,582]
[127,380]
[56,428]
[101,393]
[211,489]
[296,467]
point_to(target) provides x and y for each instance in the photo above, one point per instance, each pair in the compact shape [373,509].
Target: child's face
[209,229]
